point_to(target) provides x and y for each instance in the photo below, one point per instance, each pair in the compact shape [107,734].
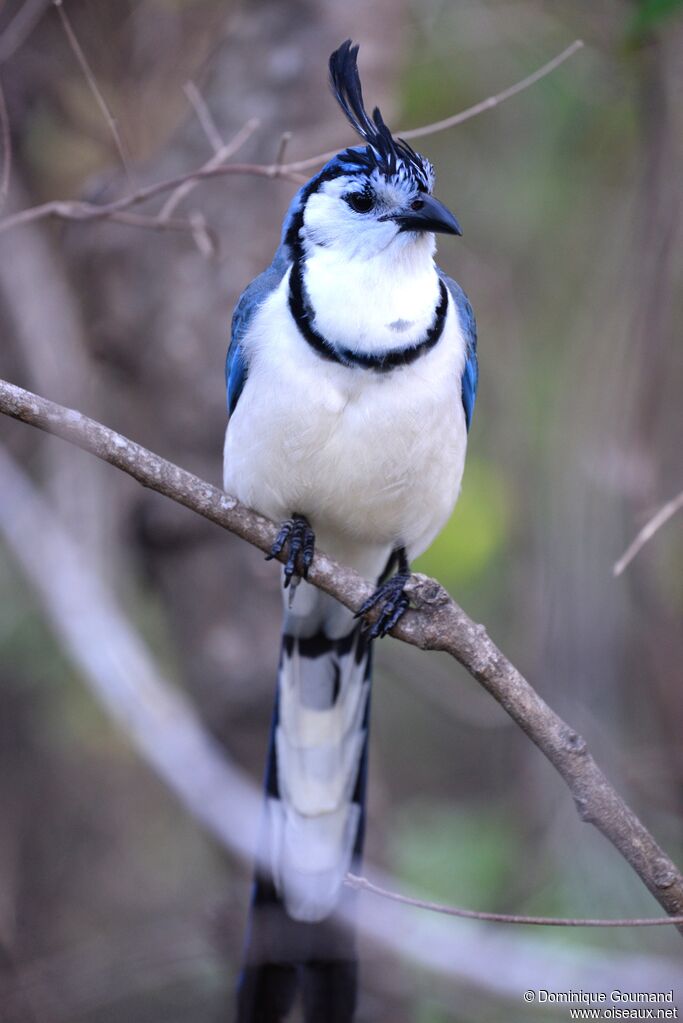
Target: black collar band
[381,362]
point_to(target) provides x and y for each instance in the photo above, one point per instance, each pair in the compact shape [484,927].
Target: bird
[351,380]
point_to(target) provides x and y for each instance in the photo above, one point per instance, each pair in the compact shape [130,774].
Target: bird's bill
[432,215]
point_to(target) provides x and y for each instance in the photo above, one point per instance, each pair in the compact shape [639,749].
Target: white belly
[371,459]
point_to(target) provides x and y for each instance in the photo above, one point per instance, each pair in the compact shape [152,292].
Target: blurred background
[114,904]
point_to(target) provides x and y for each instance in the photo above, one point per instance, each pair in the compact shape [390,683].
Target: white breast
[370,458]
[373,305]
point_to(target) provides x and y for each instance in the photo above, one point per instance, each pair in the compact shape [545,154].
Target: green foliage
[455,854]
[429,90]
[428,1011]
[648,16]
[476,532]
[27,648]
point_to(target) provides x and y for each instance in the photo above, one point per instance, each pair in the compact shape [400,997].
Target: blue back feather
[251,299]
[470,375]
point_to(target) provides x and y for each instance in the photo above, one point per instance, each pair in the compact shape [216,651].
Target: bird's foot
[297,535]
[391,599]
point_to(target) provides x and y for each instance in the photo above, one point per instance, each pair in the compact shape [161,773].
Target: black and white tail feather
[313,832]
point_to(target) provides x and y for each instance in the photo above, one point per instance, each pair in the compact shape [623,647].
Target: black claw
[393,603]
[280,540]
[296,533]
[308,551]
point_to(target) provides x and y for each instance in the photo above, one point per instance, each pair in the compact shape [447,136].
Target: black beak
[428,214]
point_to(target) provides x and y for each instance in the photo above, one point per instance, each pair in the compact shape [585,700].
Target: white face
[351,215]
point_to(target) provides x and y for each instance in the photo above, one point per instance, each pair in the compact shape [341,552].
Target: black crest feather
[388,151]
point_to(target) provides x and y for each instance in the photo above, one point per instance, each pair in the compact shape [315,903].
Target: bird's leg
[390,598]
[297,535]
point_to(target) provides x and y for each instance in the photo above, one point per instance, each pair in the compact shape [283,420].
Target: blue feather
[470,375]
[251,299]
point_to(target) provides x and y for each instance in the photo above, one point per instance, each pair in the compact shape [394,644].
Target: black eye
[417,204]
[361,202]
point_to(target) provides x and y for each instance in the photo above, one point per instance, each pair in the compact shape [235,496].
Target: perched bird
[351,380]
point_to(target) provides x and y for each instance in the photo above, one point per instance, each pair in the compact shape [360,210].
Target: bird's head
[368,198]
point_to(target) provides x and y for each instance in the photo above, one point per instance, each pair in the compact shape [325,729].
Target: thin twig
[76,210]
[73,209]
[94,87]
[224,153]
[362,884]
[6,136]
[285,139]
[198,104]
[20,27]
[463,115]
[154,223]
[660,517]
[494,101]
[204,238]
[438,623]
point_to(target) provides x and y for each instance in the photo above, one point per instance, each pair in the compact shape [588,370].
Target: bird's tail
[313,832]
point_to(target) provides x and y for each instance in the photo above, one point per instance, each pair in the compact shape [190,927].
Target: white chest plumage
[372,459]
[384,303]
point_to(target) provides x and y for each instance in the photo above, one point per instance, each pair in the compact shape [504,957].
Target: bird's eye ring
[361,202]
[417,204]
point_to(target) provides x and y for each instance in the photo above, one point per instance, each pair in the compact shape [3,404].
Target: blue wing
[470,375]
[236,366]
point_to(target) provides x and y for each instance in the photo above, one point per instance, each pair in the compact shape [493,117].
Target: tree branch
[494,101]
[223,153]
[438,623]
[89,76]
[363,885]
[660,518]
[196,101]
[20,27]
[75,209]
[6,137]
